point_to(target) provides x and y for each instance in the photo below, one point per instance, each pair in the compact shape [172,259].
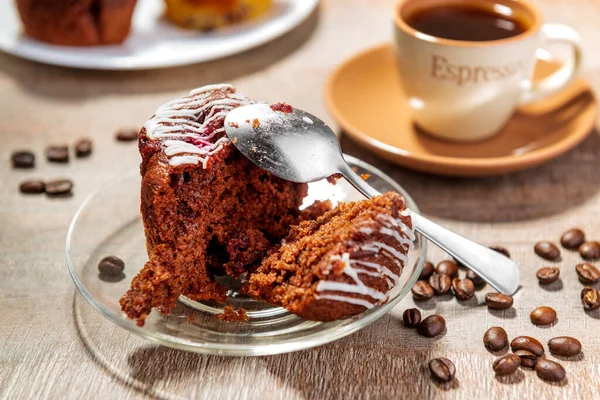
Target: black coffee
[465,22]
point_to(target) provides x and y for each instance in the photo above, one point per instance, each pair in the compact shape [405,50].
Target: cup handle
[557,33]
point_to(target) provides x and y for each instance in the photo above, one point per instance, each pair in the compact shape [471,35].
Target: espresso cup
[467,90]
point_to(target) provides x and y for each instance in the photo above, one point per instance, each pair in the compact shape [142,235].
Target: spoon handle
[359,184]
[499,271]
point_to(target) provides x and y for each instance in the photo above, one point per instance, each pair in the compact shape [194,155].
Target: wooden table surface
[47,350]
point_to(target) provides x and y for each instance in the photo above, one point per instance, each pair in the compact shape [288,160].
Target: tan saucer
[365,97]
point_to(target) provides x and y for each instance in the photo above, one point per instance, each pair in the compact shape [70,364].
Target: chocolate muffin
[207,210]
[77,22]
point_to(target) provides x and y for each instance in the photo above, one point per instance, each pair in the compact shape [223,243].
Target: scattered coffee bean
[495,339]
[23,159]
[127,135]
[58,154]
[411,317]
[506,364]
[528,359]
[498,301]
[587,273]
[442,369]
[564,346]
[427,271]
[447,267]
[422,291]
[549,370]
[463,289]
[440,283]
[111,266]
[432,326]
[543,316]
[83,147]
[527,343]
[32,187]
[590,250]
[59,187]
[477,280]
[547,250]
[590,299]
[572,239]
[501,250]
[548,275]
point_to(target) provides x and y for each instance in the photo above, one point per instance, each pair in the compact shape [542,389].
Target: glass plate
[109,223]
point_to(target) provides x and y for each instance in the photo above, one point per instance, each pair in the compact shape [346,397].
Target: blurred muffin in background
[77,22]
[207,15]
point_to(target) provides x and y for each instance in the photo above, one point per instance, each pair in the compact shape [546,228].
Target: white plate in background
[154,42]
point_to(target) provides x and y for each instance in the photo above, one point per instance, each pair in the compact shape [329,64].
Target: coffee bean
[477,280]
[506,364]
[83,147]
[549,370]
[547,250]
[543,316]
[587,273]
[547,275]
[440,283]
[447,267]
[421,291]
[32,187]
[590,299]
[432,326]
[59,187]
[564,346]
[495,339]
[501,250]
[427,271]
[127,135]
[528,359]
[23,159]
[111,266]
[572,239]
[463,289]
[527,343]
[498,301]
[442,369]
[58,154]
[411,317]
[590,250]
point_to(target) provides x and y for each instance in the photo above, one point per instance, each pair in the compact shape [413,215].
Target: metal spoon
[299,147]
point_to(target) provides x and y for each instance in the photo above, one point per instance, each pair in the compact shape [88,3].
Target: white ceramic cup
[468,90]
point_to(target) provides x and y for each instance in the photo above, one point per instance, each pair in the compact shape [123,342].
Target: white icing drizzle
[385,225]
[184,139]
[346,299]
[357,287]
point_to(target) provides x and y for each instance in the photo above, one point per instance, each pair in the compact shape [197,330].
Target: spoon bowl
[256,132]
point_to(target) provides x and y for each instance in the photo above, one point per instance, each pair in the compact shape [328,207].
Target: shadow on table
[563,183]
[384,360]
[68,83]
[343,369]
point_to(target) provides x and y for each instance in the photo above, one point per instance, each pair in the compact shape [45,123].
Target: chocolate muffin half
[207,210]
[343,263]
